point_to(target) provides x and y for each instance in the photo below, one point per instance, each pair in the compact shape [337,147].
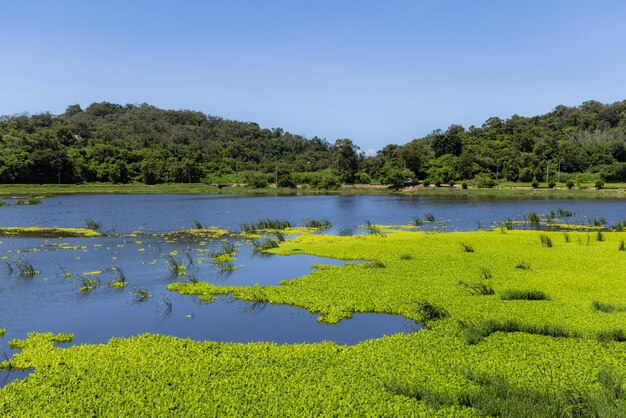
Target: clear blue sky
[375,71]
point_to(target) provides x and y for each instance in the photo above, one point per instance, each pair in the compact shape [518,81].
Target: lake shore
[507,190]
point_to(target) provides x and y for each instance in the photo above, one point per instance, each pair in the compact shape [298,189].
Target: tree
[347,159]
[449,142]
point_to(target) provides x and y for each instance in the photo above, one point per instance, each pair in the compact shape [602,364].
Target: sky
[377,72]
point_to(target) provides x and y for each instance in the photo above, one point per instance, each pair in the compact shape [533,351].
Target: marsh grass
[406,257]
[196,224]
[263,244]
[373,229]
[597,222]
[141,295]
[563,213]
[280,237]
[91,224]
[317,223]
[3,203]
[167,305]
[120,277]
[416,221]
[25,267]
[607,307]
[566,237]
[430,312]
[614,335]
[523,265]
[376,264]
[8,267]
[546,241]
[264,224]
[524,295]
[31,200]
[599,236]
[533,219]
[621,246]
[174,264]
[485,274]
[87,284]
[466,247]
[475,333]
[429,217]
[508,224]
[477,288]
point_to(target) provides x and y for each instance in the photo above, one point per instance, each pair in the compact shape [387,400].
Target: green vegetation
[580,146]
[524,295]
[476,356]
[47,232]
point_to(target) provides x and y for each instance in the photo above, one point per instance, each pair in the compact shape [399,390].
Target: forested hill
[110,142]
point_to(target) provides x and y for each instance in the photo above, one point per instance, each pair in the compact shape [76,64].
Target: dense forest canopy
[108,142]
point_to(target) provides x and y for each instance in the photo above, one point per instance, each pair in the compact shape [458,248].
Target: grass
[607,307]
[466,247]
[477,356]
[120,277]
[429,217]
[373,229]
[318,223]
[174,264]
[24,267]
[141,295]
[91,224]
[44,232]
[522,265]
[263,244]
[87,284]
[477,288]
[533,219]
[546,241]
[524,295]
[31,200]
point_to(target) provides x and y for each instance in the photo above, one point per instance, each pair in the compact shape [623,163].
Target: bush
[464,185]
[570,183]
[486,183]
[426,183]
[437,182]
[535,184]
[451,183]
[551,184]
[287,182]
[599,184]
[259,182]
[364,178]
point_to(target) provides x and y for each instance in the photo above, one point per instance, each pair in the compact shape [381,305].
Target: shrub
[486,183]
[427,311]
[286,182]
[451,183]
[535,184]
[546,241]
[533,218]
[622,246]
[259,182]
[599,184]
[551,184]
[570,183]
[467,248]
[426,183]
[524,295]
[464,185]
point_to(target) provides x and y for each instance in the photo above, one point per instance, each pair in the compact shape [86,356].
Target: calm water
[49,301]
[158,213]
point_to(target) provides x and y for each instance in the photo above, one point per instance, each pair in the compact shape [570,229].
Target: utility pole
[276,173]
[59,175]
[558,176]
[547,170]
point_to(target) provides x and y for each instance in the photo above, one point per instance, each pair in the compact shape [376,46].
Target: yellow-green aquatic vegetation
[479,356]
[2,332]
[47,232]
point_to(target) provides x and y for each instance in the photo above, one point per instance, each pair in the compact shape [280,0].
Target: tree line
[108,142]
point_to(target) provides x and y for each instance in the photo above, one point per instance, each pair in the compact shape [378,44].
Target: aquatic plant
[607,307]
[475,333]
[196,224]
[508,224]
[376,264]
[566,237]
[532,218]
[522,265]
[599,236]
[264,244]
[485,273]
[91,224]
[141,295]
[373,229]
[120,279]
[429,312]
[546,241]
[406,257]
[3,203]
[597,222]
[174,264]
[31,200]
[564,213]
[477,288]
[524,295]
[25,267]
[622,246]
[167,306]
[317,223]
[429,217]
[417,221]
[616,335]
[466,247]
[280,237]
[8,267]
[87,284]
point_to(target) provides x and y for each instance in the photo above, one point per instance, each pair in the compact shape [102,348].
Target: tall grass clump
[607,307]
[417,221]
[141,295]
[91,224]
[599,236]
[546,241]
[264,244]
[477,288]
[523,265]
[564,213]
[466,247]
[524,295]
[32,200]
[317,223]
[87,285]
[485,273]
[373,229]
[248,228]
[622,246]
[597,222]
[196,224]
[174,264]
[269,223]
[566,237]
[475,333]
[532,218]
[429,312]
[508,224]
[429,217]
[614,335]
[25,267]
[120,279]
